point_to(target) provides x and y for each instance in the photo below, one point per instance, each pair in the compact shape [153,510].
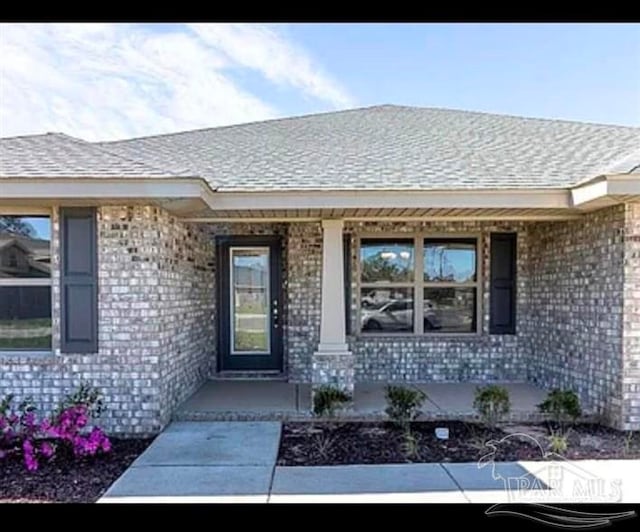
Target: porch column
[332,326]
[333,362]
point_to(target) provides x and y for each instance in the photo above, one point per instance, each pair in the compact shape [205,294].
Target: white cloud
[260,48]
[105,81]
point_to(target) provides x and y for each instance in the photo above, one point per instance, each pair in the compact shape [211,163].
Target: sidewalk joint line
[454,481]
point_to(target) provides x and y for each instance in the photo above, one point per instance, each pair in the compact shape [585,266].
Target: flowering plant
[22,433]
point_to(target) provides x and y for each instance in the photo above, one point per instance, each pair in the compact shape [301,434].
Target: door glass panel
[250,310]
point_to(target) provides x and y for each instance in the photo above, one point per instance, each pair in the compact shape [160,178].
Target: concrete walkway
[235,462]
[203,462]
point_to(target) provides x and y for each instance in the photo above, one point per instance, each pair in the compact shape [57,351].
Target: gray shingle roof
[58,155]
[394,147]
[382,147]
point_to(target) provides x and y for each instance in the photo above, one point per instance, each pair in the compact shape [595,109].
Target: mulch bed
[334,443]
[67,479]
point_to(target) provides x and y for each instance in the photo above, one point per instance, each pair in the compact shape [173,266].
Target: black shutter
[503,283]
[346,250]
[78,280]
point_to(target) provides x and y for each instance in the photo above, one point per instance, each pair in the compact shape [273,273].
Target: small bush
[558,442]
[327,399]
[323,445]
[562,406]
[24,435]
[492,402]
[411,445]
[87,396]
[403,403]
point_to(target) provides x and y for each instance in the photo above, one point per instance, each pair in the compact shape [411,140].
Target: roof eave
[605,190]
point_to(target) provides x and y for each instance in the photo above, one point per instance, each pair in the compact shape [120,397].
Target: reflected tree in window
[17,226]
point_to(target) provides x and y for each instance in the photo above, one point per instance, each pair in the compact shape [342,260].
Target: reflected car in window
[395,316]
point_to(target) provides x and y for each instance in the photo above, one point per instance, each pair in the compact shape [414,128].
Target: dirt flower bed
[68,479]
[334,443]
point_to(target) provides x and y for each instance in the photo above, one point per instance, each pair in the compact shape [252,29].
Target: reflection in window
[387,310]
[25,317]
[25,247]
[450,309]
[450,260]
[448,285]
[386,261]
[25,282]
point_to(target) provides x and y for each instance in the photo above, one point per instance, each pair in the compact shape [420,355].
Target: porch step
[249,376]
[285,415]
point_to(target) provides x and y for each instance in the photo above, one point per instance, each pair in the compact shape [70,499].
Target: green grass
[250,308]
[26,324]
[250,341]
[35,342]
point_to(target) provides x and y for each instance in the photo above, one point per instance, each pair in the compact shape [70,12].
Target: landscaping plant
[628,442]
[323,445]
[559,441]
[23,434]
[411,444]
[492,403]
[562,406]
[327,399]
[403,404]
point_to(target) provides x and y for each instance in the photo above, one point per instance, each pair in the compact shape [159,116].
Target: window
[419,285]
[25,282]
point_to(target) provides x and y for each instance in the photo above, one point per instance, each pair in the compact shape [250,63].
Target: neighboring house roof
[36,246]
[383,147]
[393,147]
[37,253]
[58,155]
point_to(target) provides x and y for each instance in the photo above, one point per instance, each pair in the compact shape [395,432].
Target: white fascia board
[624,185]
[52,189]
[101,188]
[592,191]
[478,199]
[599,191]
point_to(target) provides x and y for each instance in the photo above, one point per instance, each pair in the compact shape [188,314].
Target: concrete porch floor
[273,400]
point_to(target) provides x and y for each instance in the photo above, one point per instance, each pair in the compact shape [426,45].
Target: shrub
[403,403]
[411,445]
[492,402]
[327,399]
[562,406]
[323,445]
[87,396]
[559,442]
[22,434]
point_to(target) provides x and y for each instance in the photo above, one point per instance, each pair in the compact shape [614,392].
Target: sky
[109,81]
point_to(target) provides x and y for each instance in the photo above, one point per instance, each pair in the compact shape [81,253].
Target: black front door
[249,288]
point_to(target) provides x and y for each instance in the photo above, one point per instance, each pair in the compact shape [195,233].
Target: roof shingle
[382,147]
[57,155]
[392,147]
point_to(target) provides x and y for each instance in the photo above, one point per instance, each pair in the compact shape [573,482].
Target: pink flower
[47,450]
[29,419]
[106,445]
[30,460]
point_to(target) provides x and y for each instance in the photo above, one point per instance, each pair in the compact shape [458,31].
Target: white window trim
[40,281]
[418,284]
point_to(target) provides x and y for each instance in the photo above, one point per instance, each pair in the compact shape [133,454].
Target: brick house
[379,244]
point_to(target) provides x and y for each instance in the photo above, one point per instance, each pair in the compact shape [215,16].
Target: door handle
[275,313]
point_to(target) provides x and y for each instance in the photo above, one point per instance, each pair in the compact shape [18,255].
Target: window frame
[29,212]
[419,284]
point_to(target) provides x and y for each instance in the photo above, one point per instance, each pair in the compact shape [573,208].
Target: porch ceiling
[365,214]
